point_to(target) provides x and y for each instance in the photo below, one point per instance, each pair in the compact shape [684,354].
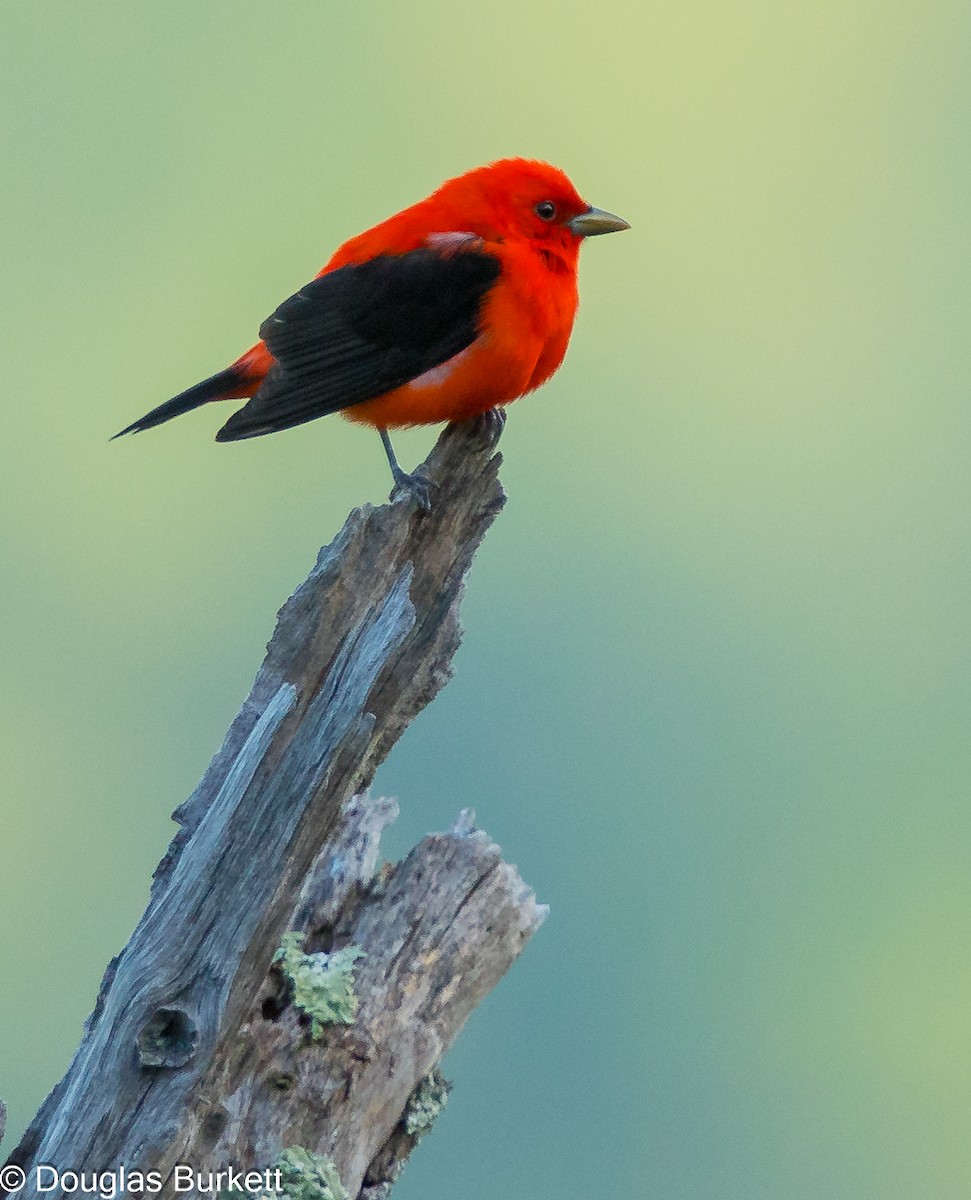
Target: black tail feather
[217,387]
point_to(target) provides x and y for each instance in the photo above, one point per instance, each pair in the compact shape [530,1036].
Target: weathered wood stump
[281,989]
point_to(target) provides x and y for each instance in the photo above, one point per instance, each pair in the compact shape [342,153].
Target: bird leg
[414,485]
[489,426]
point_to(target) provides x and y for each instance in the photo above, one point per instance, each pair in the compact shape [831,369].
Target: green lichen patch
[308,1176]
[303,1176]
[323,984]
[425,1103]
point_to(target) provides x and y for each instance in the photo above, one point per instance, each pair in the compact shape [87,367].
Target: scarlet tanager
[444,312]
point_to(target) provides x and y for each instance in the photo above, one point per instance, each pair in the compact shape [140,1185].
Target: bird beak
[595,221]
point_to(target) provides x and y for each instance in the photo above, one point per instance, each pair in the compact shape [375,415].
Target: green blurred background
[714,693]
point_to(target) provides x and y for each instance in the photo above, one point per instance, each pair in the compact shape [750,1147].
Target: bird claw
[488,426]
[416,487]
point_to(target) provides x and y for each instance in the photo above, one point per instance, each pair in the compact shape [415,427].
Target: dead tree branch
[202,1052]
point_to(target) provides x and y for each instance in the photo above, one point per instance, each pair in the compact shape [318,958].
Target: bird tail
[225,386]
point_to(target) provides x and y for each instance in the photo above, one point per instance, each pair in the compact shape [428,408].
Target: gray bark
[196,1051]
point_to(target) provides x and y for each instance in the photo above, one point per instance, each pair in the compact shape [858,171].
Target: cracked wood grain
[192,1053]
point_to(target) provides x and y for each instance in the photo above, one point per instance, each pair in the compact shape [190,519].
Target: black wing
[363,330]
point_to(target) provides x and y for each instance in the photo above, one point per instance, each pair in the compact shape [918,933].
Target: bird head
[524,198]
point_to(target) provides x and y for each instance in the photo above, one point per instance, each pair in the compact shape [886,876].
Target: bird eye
[545,210]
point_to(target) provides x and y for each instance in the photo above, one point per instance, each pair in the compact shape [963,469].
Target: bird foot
[488,426]
[415,487]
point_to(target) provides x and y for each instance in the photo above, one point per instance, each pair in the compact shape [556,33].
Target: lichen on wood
[322,983]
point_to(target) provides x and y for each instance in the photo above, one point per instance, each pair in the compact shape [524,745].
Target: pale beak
[595,221]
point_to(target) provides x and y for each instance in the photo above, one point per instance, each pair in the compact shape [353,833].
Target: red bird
[446,311]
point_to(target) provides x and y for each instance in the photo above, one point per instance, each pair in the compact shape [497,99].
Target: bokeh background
[714,695]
